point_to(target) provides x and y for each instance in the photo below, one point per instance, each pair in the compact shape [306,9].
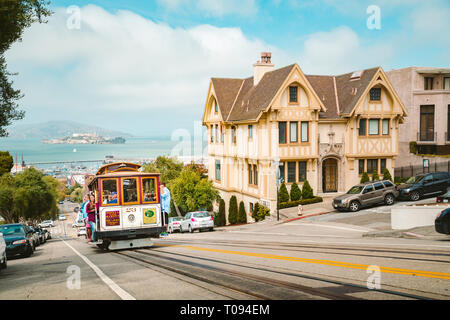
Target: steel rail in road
[261,287]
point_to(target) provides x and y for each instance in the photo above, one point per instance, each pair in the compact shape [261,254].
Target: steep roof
[240,100]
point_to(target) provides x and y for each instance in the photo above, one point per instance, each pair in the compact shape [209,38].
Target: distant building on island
[85,138]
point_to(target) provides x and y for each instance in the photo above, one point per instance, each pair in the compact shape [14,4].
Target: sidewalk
[310,209]
[424,233]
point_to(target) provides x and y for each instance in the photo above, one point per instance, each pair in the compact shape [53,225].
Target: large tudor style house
[324,129]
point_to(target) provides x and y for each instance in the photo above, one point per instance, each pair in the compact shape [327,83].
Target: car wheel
[4,264]
[190,229]
[170,230]
[181,229]
[354,206]
[389,199]
[29,252]
[415,196]
[211,229]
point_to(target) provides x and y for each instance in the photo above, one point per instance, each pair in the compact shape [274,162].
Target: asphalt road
[300,260]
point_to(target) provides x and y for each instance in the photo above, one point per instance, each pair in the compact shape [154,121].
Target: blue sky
[143,66]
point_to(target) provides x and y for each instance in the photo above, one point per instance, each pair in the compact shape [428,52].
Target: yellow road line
[419,273]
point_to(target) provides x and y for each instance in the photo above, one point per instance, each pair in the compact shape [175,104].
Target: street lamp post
[277,166]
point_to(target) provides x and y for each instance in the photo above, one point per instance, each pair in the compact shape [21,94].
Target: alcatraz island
[85,138]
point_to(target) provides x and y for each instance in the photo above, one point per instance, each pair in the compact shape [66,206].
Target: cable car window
[109,191]
[129,187]
[149,189]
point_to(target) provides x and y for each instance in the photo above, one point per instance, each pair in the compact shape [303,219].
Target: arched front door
[330,175]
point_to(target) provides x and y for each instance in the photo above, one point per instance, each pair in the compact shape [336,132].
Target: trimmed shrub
[242,215]
[283,194]
[260,212]
[221,218]
[296,193]
[375,175]
[307,191]
[365,178]
[387,175]
[291,204]
[233,211]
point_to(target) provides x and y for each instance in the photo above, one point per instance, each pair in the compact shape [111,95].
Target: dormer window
[293,94]
[375,94]
[216,107]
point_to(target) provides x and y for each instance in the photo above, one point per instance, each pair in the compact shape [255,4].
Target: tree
[170,168]
[375,176]
[7,191]
[191,193]
[222,217]
[15,16]
[296,193]
[283,194]
[307,191]
[260,212]
[365,177]
[233,211]
[77,195]
[387,175]
[6,162]
[242,214]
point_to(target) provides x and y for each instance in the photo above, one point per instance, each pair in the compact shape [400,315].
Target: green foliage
[283,194]
[6,162]
[73,188]
[221,220]
[170,168]
[296,193]
[375,176]
[307,191]
[260,212]
[242,214]
[233,211]
[291,204]
[77,195]
[365,178]
[387,175]
[399,180]
[15,16]
[191,192]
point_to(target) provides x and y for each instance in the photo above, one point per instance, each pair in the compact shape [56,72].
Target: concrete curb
[303,217]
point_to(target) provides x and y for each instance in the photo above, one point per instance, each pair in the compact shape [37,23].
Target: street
[304,259]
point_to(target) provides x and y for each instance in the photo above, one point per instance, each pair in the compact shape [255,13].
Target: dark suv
[426,184]
[367,194]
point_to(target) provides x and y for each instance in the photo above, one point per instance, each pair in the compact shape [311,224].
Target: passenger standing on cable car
[165,204]
[91,210]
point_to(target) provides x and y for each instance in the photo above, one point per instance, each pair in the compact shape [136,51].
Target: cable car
[129,212]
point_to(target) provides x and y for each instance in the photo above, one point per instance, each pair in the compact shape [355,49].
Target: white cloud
[216,8]
[123,61]
[340,51]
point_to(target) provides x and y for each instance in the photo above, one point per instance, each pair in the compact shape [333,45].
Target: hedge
[291,204]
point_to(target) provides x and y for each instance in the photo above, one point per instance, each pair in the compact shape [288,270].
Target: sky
[143,67]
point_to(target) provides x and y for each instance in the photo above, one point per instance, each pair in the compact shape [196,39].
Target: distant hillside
[59,129]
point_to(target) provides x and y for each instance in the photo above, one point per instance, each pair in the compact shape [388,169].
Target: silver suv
[367,194]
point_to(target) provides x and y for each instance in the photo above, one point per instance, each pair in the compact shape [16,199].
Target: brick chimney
[262,66]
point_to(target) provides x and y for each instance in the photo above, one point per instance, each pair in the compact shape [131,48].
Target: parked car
[81,232]
[47,224]
[47,233]
[199,220]
[62,217]
[3,258]
[35,236]
[426,184]
[18,238]
[41,234]
[61,202]
[442,222]
[174,224]
[79,223]
[445,198]
[367,194]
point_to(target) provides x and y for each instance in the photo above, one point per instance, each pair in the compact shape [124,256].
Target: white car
[199,220]
[81,232]
[46,224]
[174,224]
[79,223]
[62,217]
[3,260]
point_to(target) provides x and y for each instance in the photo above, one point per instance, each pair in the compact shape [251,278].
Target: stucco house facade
[426,94]
[324,129]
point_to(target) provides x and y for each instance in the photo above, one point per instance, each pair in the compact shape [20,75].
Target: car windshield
[47,221]
[201,214]
[11,230]
[415,179]
[355,190]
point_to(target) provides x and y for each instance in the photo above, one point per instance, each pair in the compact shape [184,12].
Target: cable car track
[264,285]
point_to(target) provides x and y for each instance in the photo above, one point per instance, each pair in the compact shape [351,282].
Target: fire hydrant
[300,210]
